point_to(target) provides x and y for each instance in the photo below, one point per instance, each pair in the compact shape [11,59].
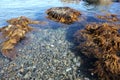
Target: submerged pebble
[46,56]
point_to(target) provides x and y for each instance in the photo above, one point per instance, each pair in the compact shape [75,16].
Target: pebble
[52,45]
[74,60]
[21,70]
[78,64]
[86,78]
[50,59]
[68,69]
[2,71]
[27,75]
[92,74]
[50,79]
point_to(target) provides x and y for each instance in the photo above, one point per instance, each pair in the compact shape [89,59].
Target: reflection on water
[71,1]
[35,9]
[102,5]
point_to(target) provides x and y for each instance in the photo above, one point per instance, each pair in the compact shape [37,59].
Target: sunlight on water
[49,50]
[35,9]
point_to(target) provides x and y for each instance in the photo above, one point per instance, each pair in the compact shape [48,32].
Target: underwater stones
[101,42]
[109,17]
[13,33]
[65,15]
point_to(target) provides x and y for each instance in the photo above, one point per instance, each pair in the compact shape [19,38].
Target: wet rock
[65,15]
[27,75]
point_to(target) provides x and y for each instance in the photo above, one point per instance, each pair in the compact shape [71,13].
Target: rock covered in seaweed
[98,2]
[109,17]
[65,15]
[102,43]
[13,33]
[22,20]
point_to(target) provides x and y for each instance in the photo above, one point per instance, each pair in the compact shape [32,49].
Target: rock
[86,78]
[68,69]
[50,79]
[27,75]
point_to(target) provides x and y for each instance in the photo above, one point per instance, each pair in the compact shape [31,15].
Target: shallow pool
[48,52]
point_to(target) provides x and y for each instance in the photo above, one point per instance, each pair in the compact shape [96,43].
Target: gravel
[45,54]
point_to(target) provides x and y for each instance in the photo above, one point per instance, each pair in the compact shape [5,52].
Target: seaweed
[64,15]
[98,2]
[13,33]
[102,43]
[109,17]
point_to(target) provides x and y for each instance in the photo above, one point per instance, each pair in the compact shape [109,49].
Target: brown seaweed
[109,17]
[65,15]
[98,2]
[13,33]
[102,42]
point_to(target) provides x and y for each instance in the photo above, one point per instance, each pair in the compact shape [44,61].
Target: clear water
[35,9]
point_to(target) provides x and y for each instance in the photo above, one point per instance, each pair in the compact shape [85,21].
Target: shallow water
[35,9]
[55,39]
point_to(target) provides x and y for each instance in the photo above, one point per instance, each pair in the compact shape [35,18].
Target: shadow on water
[80,25]
[85,65]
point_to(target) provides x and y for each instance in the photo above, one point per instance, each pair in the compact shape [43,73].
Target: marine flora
[102,43]
[13,33]
[109,17]
[22,20]
[65,15]
[98,2]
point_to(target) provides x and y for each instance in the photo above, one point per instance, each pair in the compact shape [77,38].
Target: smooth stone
[68,69]
[27,75]
[52,45]
[86,78]
[50,79]
[78,64]
[74,60]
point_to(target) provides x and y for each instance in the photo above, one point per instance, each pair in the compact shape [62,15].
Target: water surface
[55,40]
[35,9]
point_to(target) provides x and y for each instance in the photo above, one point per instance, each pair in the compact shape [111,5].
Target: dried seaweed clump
[109,17]
[65,15]
[13,33]
[102,43]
